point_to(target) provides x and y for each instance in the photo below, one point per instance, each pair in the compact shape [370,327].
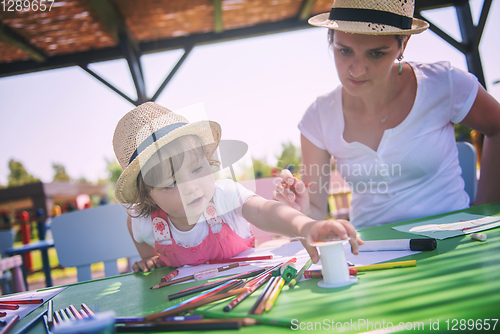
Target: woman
[389,125]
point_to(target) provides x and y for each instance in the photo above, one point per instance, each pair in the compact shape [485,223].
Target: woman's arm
[484,116]
[279,218]
[150,259]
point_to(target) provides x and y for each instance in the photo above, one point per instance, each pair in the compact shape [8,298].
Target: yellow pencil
[390,265]
[274,294]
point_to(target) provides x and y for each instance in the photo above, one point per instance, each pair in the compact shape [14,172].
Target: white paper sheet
[25,309]
[451,226]
[285,252]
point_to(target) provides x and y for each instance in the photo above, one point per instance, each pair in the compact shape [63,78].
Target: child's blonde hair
[191,144]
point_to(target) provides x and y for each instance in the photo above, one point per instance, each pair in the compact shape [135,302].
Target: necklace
[383,119]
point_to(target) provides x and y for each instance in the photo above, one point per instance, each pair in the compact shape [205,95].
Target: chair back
[467,158]
[93,235]
[13,264]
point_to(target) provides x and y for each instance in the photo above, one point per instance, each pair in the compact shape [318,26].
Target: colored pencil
[3,314]
[194,305]
[286,185]
[50,313]
[57,318]
[32,322]
[75,312]
[262,296]
[210,285]
[274,294]
[63,315]
[9,325]
[389,265]
[70,314]
[125,320]
[3,323]
[297,277]
[8,307]
[319,274]
[190,325]
[259,309]
[46,323]
[241,259]
[253,286]
[184,317]
[190,277]
[22,301]
[281,322]
[87,310]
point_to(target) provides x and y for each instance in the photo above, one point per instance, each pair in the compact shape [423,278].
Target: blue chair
[467,158]
[93,235]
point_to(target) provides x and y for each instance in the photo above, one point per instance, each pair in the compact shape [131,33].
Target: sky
[256,88]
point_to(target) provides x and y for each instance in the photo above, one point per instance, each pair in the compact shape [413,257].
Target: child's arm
[279,218]
[150,259]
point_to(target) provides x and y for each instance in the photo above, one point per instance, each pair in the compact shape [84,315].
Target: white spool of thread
[478,236]
[335,270]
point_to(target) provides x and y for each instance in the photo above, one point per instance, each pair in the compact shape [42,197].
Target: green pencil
[281,322]
[299,274]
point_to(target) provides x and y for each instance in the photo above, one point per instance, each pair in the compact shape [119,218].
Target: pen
[390,265]
[426,244]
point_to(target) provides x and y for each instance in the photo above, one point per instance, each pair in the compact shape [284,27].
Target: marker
[390,265]
[427,244]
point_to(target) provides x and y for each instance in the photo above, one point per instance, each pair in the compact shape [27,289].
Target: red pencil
[241,259]
[22,301]
[9,325]
[9,307]
[285,185]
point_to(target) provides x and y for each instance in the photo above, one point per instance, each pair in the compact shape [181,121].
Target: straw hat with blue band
[146,129]
[371,17]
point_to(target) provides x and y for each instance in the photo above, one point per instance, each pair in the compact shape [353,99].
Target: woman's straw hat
[371,17]
[146,129]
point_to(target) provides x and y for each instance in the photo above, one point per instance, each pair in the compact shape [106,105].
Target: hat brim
[209,132]
[367,28]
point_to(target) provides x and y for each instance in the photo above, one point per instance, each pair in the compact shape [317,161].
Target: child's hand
[147,265]
[292,192]
[324,229]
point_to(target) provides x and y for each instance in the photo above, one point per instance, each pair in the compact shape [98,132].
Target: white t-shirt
[414,172]
[229,198]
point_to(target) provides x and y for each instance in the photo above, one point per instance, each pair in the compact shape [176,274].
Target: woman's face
[364,62]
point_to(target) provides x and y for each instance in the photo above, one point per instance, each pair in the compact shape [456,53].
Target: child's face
[186,195]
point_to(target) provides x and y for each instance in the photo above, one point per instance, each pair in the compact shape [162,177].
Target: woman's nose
[357,68]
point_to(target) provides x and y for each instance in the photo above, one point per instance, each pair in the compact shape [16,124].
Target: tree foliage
[18,175]
[114,170]
[60,173]
[290,157]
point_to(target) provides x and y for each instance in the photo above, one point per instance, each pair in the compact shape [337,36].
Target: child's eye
[171,185]
[197,170]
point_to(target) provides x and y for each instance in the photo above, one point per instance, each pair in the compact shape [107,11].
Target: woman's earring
[400,67]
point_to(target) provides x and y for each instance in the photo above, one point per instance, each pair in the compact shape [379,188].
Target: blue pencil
[32,322]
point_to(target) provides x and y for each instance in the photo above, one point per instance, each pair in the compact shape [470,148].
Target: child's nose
[189,187]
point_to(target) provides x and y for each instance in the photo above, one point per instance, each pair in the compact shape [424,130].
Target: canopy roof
[79,32]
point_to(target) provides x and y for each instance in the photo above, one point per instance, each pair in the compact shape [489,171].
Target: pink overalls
[216,246]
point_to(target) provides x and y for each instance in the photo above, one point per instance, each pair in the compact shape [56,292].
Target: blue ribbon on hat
[371,15]
[154,137]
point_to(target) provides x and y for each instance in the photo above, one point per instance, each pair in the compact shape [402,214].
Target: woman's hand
[292,192]
[147,265]
[328,229]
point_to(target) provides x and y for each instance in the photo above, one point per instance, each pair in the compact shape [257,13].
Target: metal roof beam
[13,38]
[305,12]
[218,23]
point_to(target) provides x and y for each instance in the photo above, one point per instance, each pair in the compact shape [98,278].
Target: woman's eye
[377,54]
[344,51]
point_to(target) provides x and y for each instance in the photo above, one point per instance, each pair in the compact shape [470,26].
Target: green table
[459,280]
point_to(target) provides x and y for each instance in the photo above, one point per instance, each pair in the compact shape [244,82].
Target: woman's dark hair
[399,38]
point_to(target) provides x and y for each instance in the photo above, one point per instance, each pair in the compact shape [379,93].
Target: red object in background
[24,217]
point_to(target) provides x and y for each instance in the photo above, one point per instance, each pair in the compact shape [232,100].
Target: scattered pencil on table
[389,265]
[22,301]
[26,328]
[87,310]
[201,275]
[8,307]
[318,274]
[8,326]
[3,314]
[241,259]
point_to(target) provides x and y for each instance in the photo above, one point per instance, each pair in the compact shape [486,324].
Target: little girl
[179,215]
